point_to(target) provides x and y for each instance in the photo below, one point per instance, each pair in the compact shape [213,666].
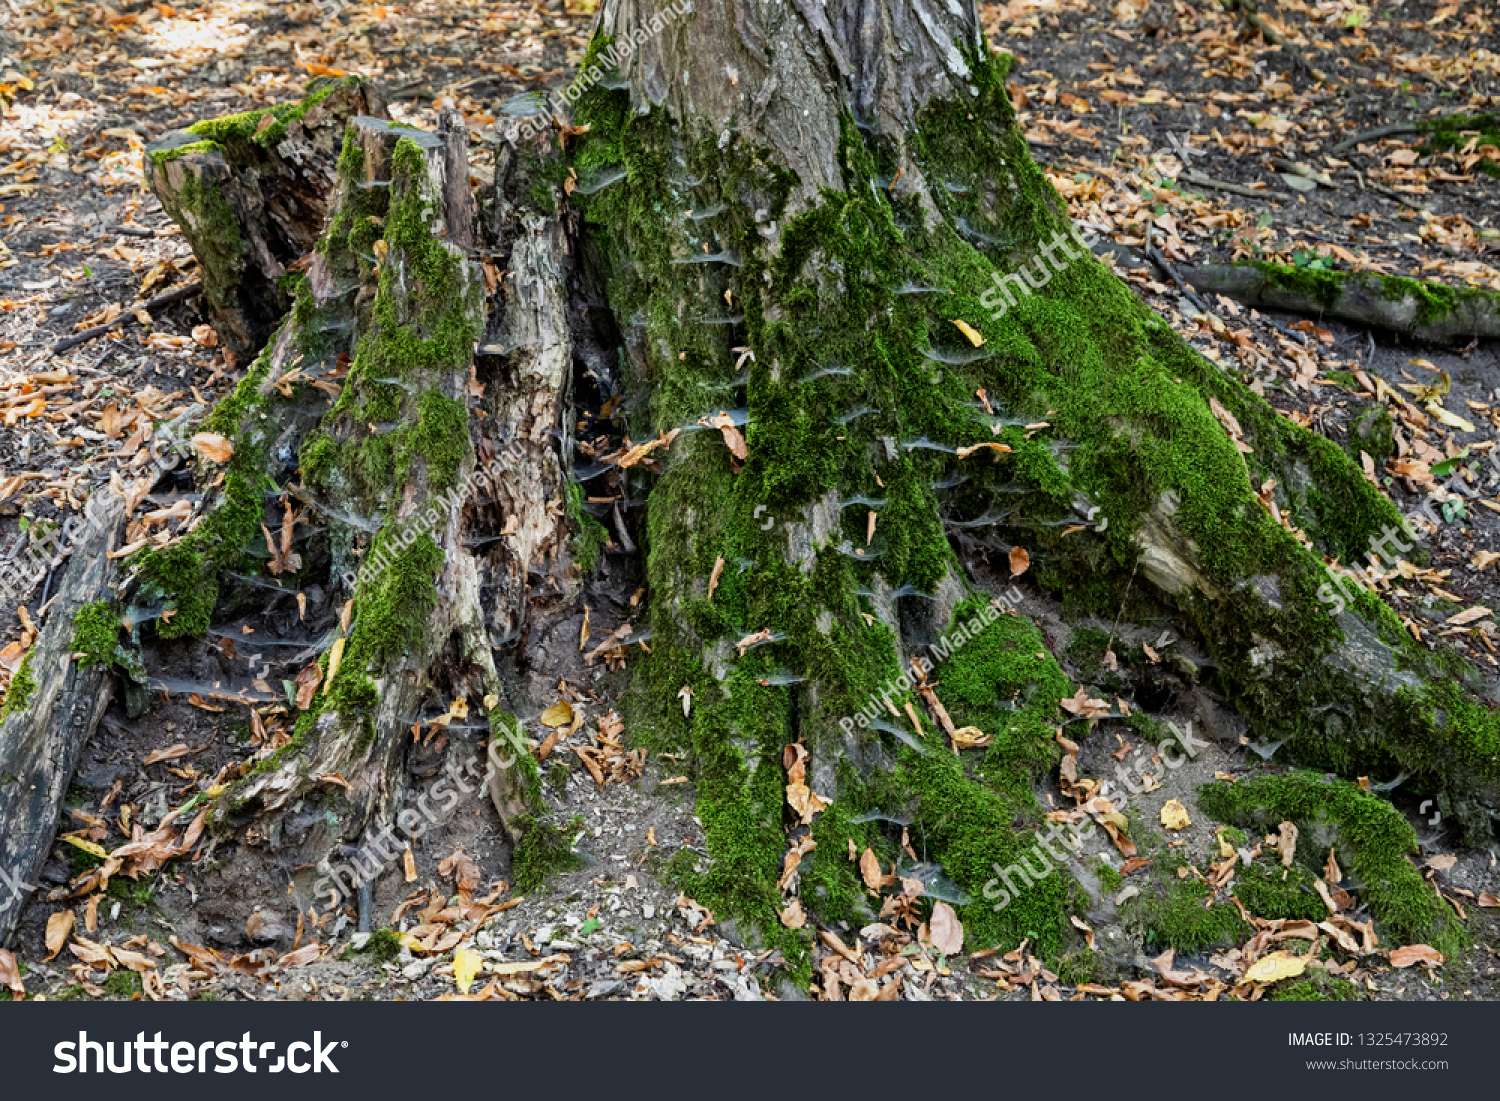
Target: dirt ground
[1101,88]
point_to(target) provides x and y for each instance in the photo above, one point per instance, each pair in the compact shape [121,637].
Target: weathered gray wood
[40,742]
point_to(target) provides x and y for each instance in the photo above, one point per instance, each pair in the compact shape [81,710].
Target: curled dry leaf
[1020,561]
[1286,844]
[307,683]
[10,975]
[793,917]
[1174,815]
[973,335]
[732,438]
[213,447]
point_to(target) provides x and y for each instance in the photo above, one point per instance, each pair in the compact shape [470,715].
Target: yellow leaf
[93,848]
[335,655]
[1452,420]
[1275,967]
[559,714]
[1174,815]
[969,331]
[466,965]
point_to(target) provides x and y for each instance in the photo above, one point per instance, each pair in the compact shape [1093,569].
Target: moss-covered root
[1431,312]
[1457,131]
[1371,838]
[251,193]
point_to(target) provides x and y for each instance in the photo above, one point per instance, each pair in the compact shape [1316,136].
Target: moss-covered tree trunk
[796,228]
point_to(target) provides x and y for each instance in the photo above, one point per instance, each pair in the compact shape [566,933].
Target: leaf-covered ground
[1102,89]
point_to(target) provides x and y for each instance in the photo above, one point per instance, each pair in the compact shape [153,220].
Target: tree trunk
[786,209]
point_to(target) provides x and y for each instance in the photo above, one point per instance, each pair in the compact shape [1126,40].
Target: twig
[1160,260]
[1247,9]
[1234,189]
[181,294]
[1387,131]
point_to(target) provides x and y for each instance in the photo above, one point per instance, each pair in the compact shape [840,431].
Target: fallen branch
[1201,180]
[1390,130]
[161,301]
[1431,312]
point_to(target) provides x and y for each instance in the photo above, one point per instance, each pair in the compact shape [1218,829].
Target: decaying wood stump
[251,193]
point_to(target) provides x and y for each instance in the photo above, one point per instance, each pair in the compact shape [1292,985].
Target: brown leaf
[945,929]
[1286,844]
[59,927]
[171,753]
[10,975]
[1417,953]
[307,683]
[213,447]
[869,870]
[732,438]
[1020,561]
[793,917]
[713,580]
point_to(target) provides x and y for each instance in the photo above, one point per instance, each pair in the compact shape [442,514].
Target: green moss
[544,852]
[590,537]
[383,946]
[1371,837]
[1319,986]
[96,633]
[123,984]
[18,693]
[1172,912]
[1456,131]
[160,157]
[1373,434]
[247,129]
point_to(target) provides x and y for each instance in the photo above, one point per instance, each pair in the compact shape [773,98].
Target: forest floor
[1101,90]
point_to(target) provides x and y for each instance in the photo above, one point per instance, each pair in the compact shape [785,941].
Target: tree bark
[42,735]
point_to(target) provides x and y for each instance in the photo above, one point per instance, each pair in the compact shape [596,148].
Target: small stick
[179,295]
[1387,131]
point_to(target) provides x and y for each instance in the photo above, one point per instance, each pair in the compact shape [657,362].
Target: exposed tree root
[1430,312]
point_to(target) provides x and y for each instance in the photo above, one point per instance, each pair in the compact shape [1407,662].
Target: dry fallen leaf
[213,447]
[59,926]
[945,929]
[559,714]
[10,975]
[969,331]
[713,580]
[466,966]
[1275,967]
[869,869]
[1286,844]
[793,917]
[1020,561]
[1417,953]
[1174,815]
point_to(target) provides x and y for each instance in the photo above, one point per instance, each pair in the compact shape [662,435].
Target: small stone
[648,910]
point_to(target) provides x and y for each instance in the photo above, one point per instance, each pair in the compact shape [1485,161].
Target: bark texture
[42,736]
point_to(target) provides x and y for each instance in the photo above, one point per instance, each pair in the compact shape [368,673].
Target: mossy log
[251,193]
[54,705]
[1431,312]
[780,217]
